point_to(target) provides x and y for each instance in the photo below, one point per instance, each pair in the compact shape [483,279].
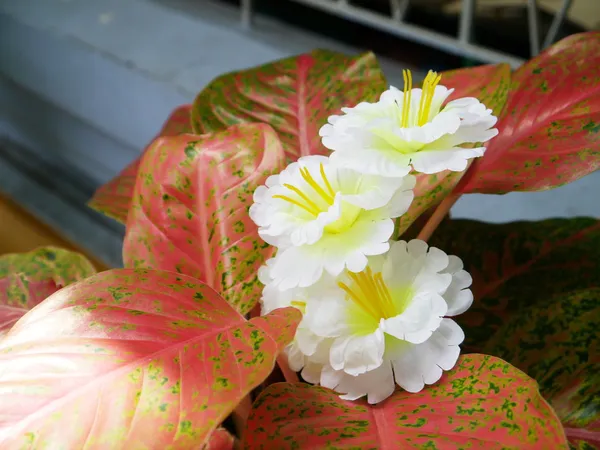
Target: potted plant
[296,217]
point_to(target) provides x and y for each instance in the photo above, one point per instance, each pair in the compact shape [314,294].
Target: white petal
[377,384]
[419,320]
[458,297]
[295,357]
[401,200]
[306,341]
[297,267]
[357,354]
[372,161]
[326,318]
[373,191]
[434,161]
[312,372]
[348,249]
[421,364]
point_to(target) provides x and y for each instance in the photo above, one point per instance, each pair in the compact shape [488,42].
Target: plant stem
[438,215]
[289,375]
[240,415]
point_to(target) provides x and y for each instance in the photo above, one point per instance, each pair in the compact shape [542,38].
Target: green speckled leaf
[489,84]
[537,305]
[132,359]
[114,197]
[189,212]
[28,278]
[483,403]
[294,95]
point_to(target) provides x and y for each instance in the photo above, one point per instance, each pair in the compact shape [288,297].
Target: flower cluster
[375,311]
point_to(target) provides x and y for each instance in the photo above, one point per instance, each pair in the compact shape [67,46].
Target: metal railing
[461,45]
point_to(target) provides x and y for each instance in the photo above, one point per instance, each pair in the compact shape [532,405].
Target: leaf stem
[289,375]
[438,215]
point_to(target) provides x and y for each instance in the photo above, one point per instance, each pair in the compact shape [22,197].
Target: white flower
[322,217]
[386,325]
[409,128]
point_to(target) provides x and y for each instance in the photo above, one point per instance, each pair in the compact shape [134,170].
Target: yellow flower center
[371,294]
[326,194]
[299,304]
[319,199]
[429,84]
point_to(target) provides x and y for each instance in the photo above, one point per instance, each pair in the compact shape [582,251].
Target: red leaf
[220,439]
[483,403]
[132,359]
[550,130]
[295,96]
[537,305]
[114,198]
[490,85]
[190,209]
[28,278]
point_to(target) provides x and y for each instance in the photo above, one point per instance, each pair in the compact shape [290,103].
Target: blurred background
[86,84]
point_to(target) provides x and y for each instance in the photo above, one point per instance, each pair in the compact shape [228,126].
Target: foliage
[482,400]
[26,279]
[536,286]
[158,354]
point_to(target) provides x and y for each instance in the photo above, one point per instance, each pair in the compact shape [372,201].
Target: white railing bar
[556,23]
[399,8]
[246,14]
[534,30]
[413,32]
[466,21]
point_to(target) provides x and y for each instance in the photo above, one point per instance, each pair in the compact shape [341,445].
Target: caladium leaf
[557,342]
[489,84]
[550,129]
[28,278]
[114,197]
[132,359]
[537,305]
[481,401]
[190,209]
[220,439]
[295,96]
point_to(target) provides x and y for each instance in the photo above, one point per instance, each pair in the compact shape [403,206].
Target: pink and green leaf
[490,85]
[550,128]
[537,305]
[132,359]
[114,197]
[294,95]
[220,439]
[189,213]
[483,401]
[28,278]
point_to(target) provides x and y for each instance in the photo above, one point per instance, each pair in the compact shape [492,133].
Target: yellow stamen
[406,99]
[299,304]
[383,289]
[297,203]
[326,181]
[371,294]
[313,184]
[307,204]
[356,298]
[429,84]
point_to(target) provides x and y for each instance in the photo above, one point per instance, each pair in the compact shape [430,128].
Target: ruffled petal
[419,320]
[377,384]
[357,353]
[417,365]
[458,297]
